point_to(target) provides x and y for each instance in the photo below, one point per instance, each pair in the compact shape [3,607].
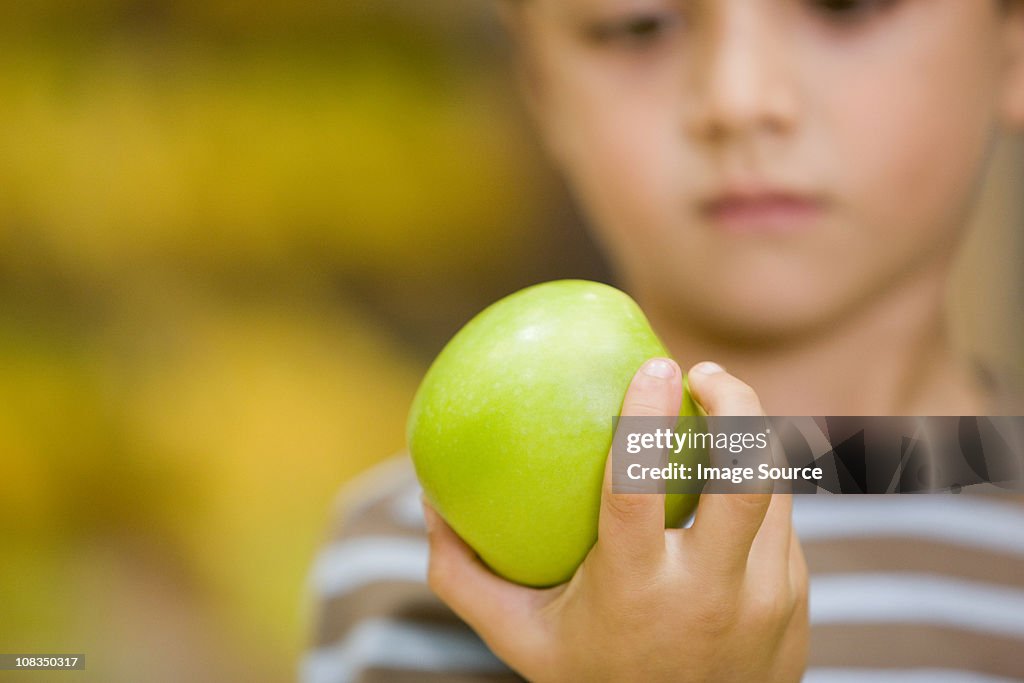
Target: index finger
[632,525]
[726,523]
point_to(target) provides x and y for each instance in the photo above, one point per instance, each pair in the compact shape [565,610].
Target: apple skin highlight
[511,426]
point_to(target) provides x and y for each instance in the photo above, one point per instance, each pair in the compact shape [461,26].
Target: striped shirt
[903,588]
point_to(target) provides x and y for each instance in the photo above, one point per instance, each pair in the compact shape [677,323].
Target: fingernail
[429,516]
[659,368]
[706,368]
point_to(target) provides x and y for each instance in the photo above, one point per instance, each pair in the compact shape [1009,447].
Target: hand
[724,600]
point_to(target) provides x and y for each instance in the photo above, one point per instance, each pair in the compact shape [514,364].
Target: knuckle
[625,504]
[643,407]
[801,590]
[751,501]
[717,614]
[738,392]
[744,403]
[769,608]
[800,600]
[731,396]
[748,505]
[800,573]
[802,576]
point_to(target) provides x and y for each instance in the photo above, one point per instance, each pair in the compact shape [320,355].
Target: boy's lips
[766,212]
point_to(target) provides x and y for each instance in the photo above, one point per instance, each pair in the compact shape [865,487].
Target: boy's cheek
[916,181]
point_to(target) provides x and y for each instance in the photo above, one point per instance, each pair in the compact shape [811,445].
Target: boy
[782,185]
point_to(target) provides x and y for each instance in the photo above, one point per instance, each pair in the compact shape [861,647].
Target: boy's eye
[848,10]
[636,31]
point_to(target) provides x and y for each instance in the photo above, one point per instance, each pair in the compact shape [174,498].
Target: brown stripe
[913,555]
[901,646]
[995,494]
[391,599]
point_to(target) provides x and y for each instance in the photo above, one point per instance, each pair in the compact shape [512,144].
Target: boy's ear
[1013,86]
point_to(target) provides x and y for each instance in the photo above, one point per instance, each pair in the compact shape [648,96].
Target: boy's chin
[764,322]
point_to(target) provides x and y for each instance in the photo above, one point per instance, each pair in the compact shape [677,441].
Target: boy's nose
[742,80]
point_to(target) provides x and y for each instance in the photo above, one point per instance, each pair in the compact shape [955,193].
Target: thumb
[632,525]
[726,523]
[502,613]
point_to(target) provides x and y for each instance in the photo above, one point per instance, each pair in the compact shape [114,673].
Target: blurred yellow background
[231,237]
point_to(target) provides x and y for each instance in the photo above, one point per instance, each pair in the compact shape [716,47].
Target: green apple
[511,427]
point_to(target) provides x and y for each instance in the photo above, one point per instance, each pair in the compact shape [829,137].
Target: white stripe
[900,676]
[966,521]
[407,510]
[916,598]
[399,645]
[373,485]
[359,561]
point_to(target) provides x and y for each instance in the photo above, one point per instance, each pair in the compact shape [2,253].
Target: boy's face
[764,166]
